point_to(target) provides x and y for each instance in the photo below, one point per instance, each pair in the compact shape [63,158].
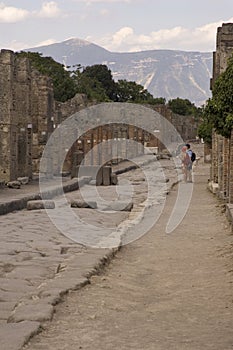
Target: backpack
[193,157]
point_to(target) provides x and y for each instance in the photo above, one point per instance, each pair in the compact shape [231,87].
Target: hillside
[165,73]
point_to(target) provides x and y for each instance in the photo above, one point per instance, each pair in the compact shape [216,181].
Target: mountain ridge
[164,73]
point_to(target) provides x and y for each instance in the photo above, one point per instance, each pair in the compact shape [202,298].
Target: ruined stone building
[222,148]
[29,115]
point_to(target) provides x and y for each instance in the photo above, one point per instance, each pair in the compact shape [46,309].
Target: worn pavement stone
[14,335]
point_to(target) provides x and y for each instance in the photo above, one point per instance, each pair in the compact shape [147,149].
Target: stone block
[40,204]
[23,180]
[82,204]
[14,335]
[93,171]
[119,206]
[14,184]
[114,179]
[213,187]
[39,311]
[107,172]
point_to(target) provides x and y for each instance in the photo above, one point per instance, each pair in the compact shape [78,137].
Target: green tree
[205,131]
[183,107]
[101,73]
[92,88]
[64,86]
[158,101]
[218,111]
[130,91]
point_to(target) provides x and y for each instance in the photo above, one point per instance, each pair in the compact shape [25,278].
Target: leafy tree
[91,87]
[101,73]
[158,101]
[95,81]
[183,107]
[205,131]
[130,91]
[218,111]
[64,86]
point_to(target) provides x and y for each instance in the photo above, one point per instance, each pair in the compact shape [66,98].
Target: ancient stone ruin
[29,114]
[222,148]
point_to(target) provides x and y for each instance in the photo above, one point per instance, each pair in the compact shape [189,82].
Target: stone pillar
[214,158]
[23,111]
[207,153]
[231,168]
[43,112]
[226,158]
[8,122]
[220,163]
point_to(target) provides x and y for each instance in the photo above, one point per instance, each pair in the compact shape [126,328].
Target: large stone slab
[32,311]
[14,335]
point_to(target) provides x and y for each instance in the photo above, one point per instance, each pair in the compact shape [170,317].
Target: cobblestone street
[38,264]
[164,291]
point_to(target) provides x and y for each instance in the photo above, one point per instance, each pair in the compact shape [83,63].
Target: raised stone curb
[21,203]
[125,170]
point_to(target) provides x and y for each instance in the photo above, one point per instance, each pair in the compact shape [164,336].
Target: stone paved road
[162,292]
[38,264]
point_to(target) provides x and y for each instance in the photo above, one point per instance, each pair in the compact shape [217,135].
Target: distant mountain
[164,73]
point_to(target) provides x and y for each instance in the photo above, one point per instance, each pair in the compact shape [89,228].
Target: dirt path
[162,292]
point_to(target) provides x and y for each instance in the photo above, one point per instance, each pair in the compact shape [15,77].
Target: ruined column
[8,122]
[23,111]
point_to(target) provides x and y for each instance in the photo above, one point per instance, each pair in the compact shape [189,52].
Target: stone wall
[222,165]
[186,126]
[29,114]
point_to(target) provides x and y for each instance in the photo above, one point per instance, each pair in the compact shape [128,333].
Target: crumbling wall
[29,114]
[221,165]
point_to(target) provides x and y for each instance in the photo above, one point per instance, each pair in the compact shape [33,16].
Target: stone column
[8,122]
[23,111]
[231,169]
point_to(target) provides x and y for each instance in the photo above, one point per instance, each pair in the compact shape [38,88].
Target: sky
[116,25]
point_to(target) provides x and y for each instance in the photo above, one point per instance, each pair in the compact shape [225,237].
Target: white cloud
[20,45]
[104,12]
[49,10]
[45,42]
[104,1]
[9,14]
[179,38]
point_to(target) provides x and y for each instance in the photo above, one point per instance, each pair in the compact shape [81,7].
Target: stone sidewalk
[38,264]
